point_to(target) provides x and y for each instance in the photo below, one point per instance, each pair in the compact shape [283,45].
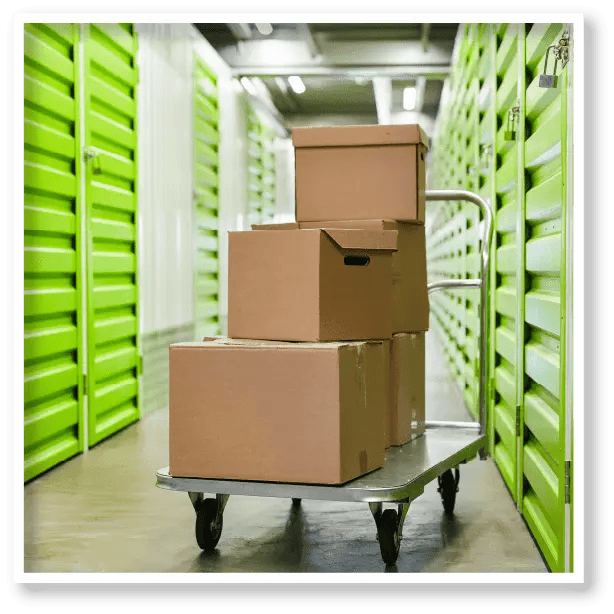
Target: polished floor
[101,512]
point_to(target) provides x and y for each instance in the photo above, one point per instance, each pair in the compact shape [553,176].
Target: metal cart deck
[407,469]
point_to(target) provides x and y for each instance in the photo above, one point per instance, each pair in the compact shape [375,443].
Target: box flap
[285,226]
[263,343]
[348,136]
[353,224]
[384,240]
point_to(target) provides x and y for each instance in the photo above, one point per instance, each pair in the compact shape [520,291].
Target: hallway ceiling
[354,73]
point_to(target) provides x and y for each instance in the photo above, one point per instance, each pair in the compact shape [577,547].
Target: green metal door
[206,200]
[453,241]
[52,245]
[545,212]
[505,255]
[268,202]
[255,168]
[111,220]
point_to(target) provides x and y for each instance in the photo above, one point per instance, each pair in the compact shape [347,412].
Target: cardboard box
[360,173]
[410,302]
[407,388]
[283,412]
[310,285]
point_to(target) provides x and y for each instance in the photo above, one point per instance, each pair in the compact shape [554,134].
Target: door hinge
[85,384]
[567,481]
[517,420]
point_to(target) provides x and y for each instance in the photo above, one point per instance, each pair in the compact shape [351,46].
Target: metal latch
[517,420]
[510,132]
[560,53]
[485,156]
[91,154]
[567,481]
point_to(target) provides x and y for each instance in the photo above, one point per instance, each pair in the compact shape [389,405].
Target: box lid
[347,136]
[347,238]
[381,240]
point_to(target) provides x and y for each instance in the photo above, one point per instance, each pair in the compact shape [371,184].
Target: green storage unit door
[268,201]
[545,167]
[111,219]
[453,242]
[52,280]
[505,254]
[206,200]
[255,168]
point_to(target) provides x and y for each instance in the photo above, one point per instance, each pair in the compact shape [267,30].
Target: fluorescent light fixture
[409,98]
[264,28]
[248,85]
[296,83]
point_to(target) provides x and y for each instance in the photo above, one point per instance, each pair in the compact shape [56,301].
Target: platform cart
[407,469]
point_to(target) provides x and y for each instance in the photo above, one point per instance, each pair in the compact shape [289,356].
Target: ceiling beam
[382,90]
[426,30]
[307,36]
[276,52]
[241,31]
[282,86]
[343,70]
[420,89]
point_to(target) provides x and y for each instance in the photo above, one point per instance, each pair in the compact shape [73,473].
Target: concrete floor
[101,512]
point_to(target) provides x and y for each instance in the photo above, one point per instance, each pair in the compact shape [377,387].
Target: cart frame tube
[482,283]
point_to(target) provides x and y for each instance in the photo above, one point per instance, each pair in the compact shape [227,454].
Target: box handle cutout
[356,260]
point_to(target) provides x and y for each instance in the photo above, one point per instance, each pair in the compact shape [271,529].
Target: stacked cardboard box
[324,365]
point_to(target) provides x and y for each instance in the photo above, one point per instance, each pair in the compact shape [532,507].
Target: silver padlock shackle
[556,59]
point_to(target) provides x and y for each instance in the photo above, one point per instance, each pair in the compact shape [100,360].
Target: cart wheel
[296,502]
[448,487]
[388,536]
[208,526]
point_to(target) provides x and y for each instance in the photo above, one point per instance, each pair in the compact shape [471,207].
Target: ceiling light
[264,28]
[296,83]
[409,98]
[248,85]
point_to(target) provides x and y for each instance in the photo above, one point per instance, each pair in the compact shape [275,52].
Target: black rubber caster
[208,525]
[448,487]
[296,502]
[388,536]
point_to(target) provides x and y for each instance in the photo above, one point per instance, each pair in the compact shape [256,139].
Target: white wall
[165,176]
[233,178]
[284,180]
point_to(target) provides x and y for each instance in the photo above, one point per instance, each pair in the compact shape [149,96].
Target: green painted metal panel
[113,365]
[261,170]
[544,404]
[53,392]
[206,201]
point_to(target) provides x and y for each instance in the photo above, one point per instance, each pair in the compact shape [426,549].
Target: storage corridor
[298,210]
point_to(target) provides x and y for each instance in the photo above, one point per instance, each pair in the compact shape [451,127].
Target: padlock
[546,80]
[510,132]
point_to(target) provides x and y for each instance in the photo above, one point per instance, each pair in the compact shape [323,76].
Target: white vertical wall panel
[284,175]
[165,175]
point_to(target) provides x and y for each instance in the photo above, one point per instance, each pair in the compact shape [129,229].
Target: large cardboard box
[283,412]
[310,285]
[407,388]
[360,173]
[410,303]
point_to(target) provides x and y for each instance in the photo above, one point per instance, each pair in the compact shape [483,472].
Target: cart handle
[482,283]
